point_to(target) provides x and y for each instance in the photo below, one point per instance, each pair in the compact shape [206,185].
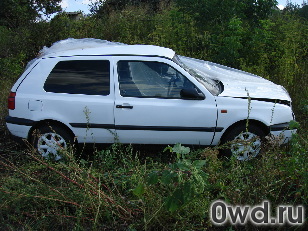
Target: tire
[243,143]
[51,140]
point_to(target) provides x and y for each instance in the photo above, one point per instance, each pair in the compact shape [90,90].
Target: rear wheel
[243,143]
[51,141]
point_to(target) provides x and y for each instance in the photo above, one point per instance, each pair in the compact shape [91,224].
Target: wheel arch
[50,122]
[263,127]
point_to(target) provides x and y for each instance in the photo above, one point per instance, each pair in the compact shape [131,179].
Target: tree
[14,13]
[255,10]
[209,12]
[303,12]
[105,7]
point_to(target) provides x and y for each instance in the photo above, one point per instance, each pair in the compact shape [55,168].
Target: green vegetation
[118,188]
[133,188]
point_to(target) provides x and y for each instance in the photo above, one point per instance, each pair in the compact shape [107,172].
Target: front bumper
[282,137]
[281,133]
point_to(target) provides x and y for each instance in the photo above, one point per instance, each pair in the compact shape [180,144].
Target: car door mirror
[191,93]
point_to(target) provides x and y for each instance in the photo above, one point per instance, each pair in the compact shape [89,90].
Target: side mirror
[191,93]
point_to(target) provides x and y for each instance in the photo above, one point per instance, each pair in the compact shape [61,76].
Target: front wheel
[51,141]
[243,143]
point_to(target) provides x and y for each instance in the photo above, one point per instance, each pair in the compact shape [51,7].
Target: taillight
[11,101]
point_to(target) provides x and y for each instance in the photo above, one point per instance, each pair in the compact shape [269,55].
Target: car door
[149,107]
[78,94]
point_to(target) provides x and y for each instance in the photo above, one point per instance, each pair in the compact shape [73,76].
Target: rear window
[88,77]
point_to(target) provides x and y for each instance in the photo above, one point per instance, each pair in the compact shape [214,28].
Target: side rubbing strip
[89,125]
[19,121]
[165,128]
[147,128]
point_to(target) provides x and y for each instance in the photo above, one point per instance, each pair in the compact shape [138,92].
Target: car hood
[237,83]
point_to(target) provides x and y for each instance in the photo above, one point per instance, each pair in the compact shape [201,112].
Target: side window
[88,77]
[150,79]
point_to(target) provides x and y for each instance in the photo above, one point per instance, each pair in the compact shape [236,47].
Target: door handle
[124,106]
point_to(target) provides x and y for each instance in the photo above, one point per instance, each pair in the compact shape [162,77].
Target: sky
[83,5]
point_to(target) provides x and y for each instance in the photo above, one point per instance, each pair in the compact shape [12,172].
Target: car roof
[89,47]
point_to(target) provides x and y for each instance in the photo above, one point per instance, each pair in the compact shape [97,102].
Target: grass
[118,188]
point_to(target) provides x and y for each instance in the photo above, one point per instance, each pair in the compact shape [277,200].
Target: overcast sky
[83,5]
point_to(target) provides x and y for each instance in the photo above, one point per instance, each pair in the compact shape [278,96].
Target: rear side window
[88,77]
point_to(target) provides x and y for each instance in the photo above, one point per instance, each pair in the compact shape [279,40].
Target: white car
[95,91]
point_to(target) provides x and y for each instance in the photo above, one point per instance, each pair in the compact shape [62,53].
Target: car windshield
[197,69]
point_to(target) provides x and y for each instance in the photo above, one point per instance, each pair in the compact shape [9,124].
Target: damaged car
[95,91]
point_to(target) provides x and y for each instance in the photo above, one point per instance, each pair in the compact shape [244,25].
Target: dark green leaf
[172,204]
[152,178]
[168,177]
[183,166]
[139,190]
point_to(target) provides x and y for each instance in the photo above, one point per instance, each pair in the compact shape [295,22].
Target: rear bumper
[19,128]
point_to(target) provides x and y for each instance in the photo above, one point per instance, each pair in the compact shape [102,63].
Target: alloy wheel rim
[246,146]
[49,145]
